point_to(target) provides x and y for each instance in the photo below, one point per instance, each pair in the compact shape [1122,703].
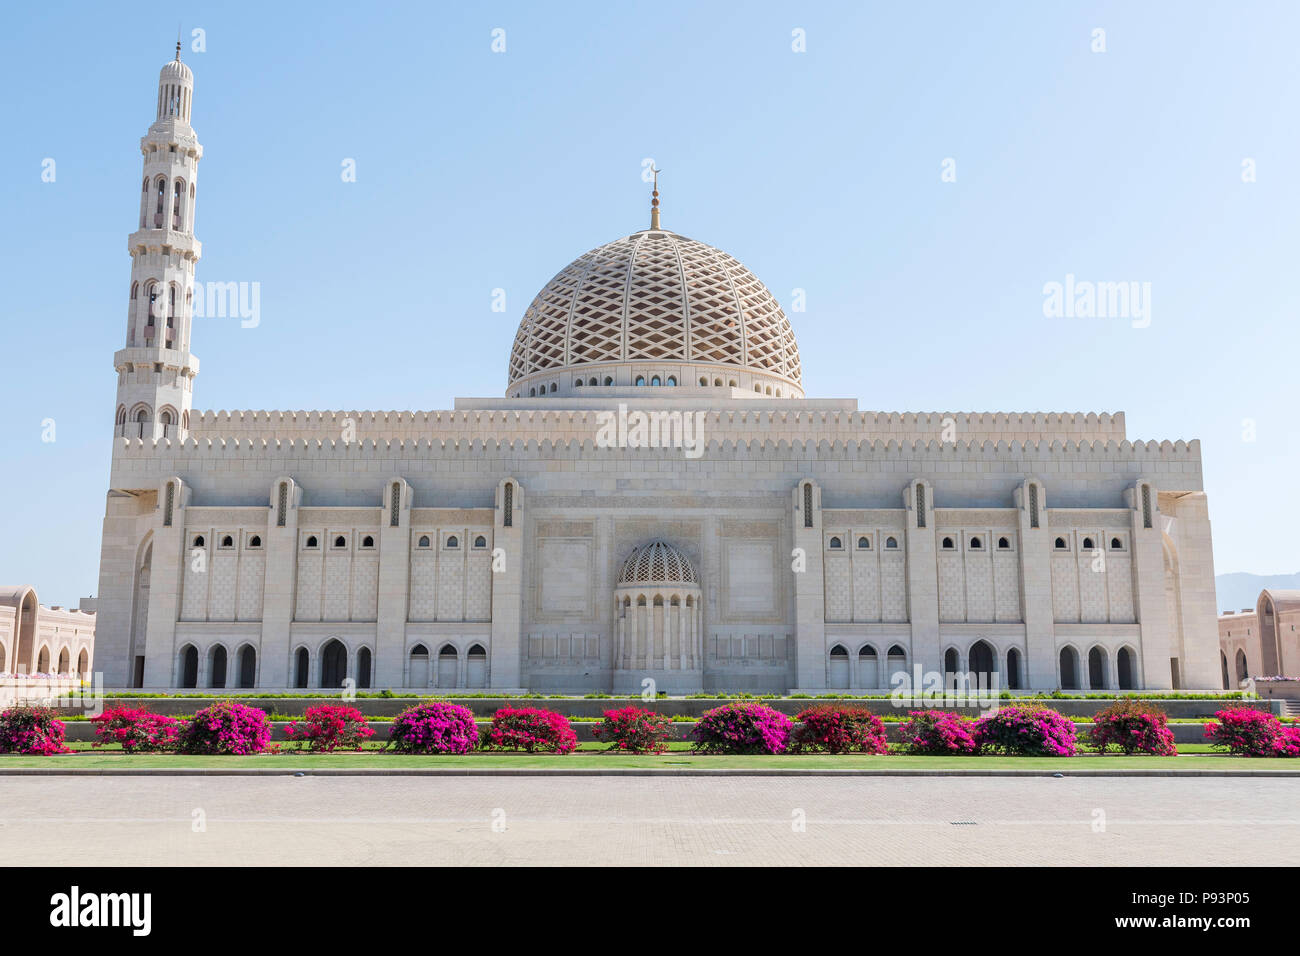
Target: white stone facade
[485,546]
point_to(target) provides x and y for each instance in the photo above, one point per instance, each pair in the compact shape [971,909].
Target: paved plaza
[765,821]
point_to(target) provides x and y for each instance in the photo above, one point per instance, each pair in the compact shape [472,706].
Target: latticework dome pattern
[657,563]
[655,296]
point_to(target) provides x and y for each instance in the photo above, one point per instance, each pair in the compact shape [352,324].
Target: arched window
[731,383]
[976,544]
[217,667]
[227,542]
[83,662]
[247,667]
[577,383]
[453,542]
[190,667]
[1088,544]
[864,543]
[1127,672]
[367,542]
[654,380]
[1096,669]
[418,675]
[1116,544]
[532,392]
[640,380]
[65,661]
[891,544]
[717,383]
[423,542]
[1069,674]
[592,381]
[178,193]
[868,667]
[198,541]
[758,388]
[476,667]
[982,663]
[609,380]
[255,541]
[1059,544]
[1242,668]
[312,542]
[363,667]
[333,664]
[947,544]
[480,541]
[448,666]
[703,380]
[1223,666]
[836,544]
[1013,669]
[1004,544]
[300,668]
[950,662]
[837,671]
[340,542]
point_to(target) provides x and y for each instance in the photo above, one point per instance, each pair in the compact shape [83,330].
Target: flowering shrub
[1133,726]
[31,730]
[941,732]
[329,727]
[1253,733]
[138,731]
[227,727]
[742,728]
[530,729]
[1030,730]
[839,730]
[634,730]
[434,728]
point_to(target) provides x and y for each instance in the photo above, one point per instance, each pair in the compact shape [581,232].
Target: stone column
[809,587]
[922,577]
[394,581]
[506,650]
[1040,664]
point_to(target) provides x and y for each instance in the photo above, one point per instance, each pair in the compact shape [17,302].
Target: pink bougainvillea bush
[530,729]
[434,728]
[1133,726]
[938,732]
[329,727]
[136,730]
[742,728]
[634,730]
[1247,732]
[227,727]
[34,731]
[836,729]
[1027,730]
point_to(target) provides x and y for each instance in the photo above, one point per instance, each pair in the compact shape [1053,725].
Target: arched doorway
[868,668]
[837,670]
[301,668]
[363,668]
[476,667]
[1223,664]
[895,664]
[1125,664]
[217,667]
[1013,669]
[333,664]
[83,663]
[448,664]
[65,662]
[1097,669]
[951,664]
[1243,670]
[1069,669]
[190,667]
[982,663]
[419,669]
[43,661]
[247,667]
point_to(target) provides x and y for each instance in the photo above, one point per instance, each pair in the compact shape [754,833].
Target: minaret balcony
[153,240]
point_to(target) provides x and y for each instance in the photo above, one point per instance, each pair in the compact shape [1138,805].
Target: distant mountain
[1241,590]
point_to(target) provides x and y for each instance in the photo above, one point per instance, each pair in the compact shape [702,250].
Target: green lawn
[590,755]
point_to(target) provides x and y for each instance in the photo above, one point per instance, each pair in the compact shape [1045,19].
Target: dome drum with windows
[655,308]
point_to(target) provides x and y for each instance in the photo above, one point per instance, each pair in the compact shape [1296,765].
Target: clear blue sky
[820,170]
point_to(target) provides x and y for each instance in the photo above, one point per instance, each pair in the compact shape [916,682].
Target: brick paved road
[706,820]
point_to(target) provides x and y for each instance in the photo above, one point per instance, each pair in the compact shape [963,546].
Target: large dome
[652,302]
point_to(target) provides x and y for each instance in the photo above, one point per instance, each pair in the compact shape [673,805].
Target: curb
[620,772]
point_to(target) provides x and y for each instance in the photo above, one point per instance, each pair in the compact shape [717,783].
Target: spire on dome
[654,201]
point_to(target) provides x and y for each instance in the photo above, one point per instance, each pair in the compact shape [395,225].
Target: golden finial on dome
[654,201]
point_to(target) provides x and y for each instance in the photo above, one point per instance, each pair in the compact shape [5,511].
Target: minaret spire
[654,201]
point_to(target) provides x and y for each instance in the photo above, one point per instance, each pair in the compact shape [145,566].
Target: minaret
[155,371]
